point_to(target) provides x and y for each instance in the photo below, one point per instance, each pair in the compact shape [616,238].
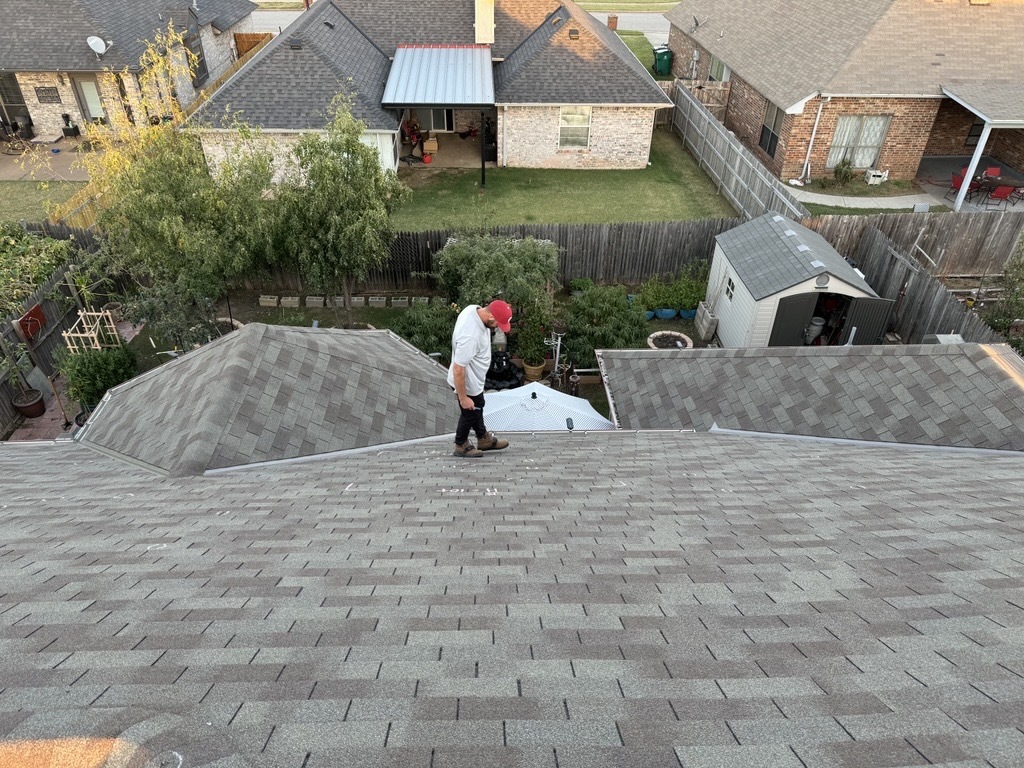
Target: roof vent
[816,264]
[574,34]
[295,43]
[803,247]
[789,233]
[978,2]
[556,21]
[329,24]
[776,217]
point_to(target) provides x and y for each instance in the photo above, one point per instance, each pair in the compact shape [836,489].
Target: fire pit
[669,340]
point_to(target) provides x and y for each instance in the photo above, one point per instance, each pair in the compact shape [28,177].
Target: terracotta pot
[30,403]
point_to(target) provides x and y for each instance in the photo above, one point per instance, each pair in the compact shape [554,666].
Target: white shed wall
[764,320]
[736,315]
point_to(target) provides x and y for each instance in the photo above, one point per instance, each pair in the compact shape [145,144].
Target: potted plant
[530,346]
[656,297]
[29,402]
[689,289]
[91,373]
[580,284]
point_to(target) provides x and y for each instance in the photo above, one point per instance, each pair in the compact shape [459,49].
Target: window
[435,119]
[574,128]
[718,73]
[974,135]
[771,129]
[195,45]
[858,139]
[730,288]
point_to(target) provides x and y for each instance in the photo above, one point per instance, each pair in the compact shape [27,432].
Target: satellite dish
[98,46]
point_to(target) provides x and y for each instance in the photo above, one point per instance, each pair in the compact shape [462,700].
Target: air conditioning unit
[874,177]
[706,322]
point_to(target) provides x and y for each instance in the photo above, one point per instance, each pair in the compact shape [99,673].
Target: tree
[1010,307]
[337,203]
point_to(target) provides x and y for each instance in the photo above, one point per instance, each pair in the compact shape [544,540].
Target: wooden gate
[246,41]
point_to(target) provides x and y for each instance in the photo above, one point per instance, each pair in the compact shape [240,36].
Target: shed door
[791,320]
[870,317]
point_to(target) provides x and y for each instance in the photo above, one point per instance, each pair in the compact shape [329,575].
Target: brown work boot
[466,451]
[491,442]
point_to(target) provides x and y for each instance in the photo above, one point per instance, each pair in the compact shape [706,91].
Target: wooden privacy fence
[740,176]
[606,253]
[959,244]
[923,305]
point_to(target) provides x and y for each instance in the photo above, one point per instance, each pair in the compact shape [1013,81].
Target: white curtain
[871,137]
[859,140]
[842,139]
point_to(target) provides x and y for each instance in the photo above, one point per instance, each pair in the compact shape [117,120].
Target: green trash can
[662,60]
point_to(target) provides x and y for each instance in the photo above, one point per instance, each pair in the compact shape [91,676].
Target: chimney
[613,21]
[484,22]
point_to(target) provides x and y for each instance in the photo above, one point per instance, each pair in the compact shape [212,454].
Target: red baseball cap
[502,314]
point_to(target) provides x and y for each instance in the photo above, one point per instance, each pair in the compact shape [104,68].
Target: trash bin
[662,60]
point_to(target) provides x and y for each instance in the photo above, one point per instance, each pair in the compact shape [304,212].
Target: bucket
[814,329]
[427,159]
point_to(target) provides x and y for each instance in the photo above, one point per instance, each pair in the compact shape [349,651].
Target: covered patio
[451,90]
[935,174]
[999,105]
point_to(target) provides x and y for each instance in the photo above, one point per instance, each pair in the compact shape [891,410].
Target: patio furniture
[993,172]
[957,182]
[999,196]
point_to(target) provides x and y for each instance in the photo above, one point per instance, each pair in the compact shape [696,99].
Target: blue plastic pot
[688,314]
[664,314]
[649,313]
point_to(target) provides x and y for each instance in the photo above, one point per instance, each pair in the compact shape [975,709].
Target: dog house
[775,283]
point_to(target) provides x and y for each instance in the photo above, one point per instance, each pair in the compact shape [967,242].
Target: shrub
[653,294]
[843,172]
[529,337]
[429,327]
[690,287]
[581,284]
[602,318]
[26,262]
[91,373]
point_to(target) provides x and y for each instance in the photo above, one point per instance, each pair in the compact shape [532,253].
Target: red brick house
[883,83]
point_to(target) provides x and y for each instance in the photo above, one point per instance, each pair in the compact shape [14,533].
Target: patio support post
[483,152]
[973,166]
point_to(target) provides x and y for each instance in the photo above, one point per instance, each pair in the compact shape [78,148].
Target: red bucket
[427,159]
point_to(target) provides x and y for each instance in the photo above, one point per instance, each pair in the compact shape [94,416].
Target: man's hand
[466,402]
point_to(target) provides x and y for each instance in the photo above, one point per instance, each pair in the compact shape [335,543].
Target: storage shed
[775,283]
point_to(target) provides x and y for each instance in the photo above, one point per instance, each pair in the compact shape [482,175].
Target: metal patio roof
[440,76]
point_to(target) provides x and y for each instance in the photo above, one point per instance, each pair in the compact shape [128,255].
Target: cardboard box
[430,145]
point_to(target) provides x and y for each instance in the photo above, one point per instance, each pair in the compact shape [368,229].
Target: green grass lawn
[829,210]
[673,187]
[28,199]
[641,47]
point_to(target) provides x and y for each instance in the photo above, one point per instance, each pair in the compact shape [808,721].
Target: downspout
[805,173]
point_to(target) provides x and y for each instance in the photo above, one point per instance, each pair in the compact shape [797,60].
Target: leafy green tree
[429,328]
[476,267]
[337,205]
[178,234]
[1010,307]
[602,318]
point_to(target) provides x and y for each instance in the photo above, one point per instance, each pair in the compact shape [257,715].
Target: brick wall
[949,133]
[620,137]
[1007,146]
[46,117]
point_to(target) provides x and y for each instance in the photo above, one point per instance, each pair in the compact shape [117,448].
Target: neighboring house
[542,80]
[48,69]
[775,283]
[881,83]
[272,393]
[962,395]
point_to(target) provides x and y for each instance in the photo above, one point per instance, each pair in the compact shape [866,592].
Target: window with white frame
[974,134]
[718,73]
[859,139]
[574,128]
[771,129]
[730,288]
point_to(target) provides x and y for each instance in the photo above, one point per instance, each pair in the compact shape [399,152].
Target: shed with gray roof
[776,283]
[271,393]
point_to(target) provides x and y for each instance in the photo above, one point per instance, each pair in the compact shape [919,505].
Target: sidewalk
[906,202]
[41,163]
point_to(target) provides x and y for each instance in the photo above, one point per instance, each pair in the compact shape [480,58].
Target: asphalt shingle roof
[613,599]
[772,253]
[286,87]
[40,36]
[596,68]
[964,395]
[790,50]
[266,393]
